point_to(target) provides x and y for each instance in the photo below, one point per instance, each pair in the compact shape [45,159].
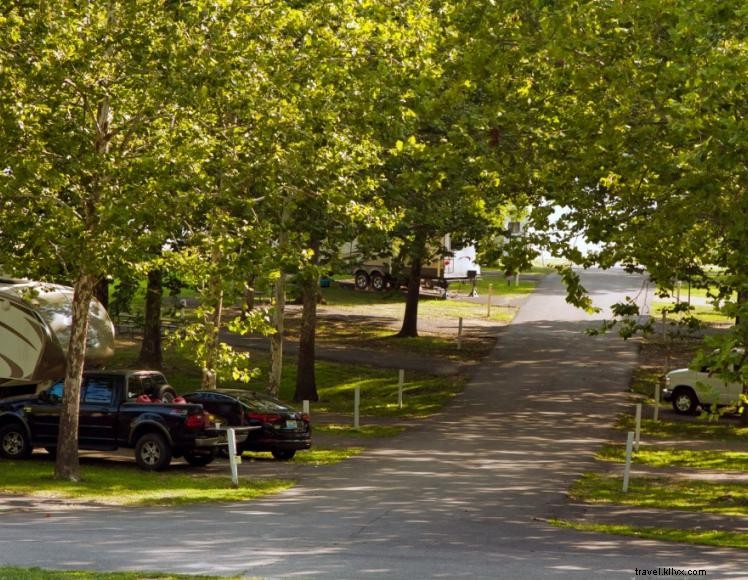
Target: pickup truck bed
[111,417]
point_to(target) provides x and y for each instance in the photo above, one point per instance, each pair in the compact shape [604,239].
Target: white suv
[688,389]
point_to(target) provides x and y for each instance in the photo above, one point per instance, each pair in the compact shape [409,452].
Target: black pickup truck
[115,411]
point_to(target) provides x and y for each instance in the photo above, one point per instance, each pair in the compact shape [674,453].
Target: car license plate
[291,425]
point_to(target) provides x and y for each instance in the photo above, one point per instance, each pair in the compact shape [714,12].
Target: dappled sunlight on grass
[316,456]
[690,427]
[363,431]
[704,537]
[126,485]
[664,493]
[671,457]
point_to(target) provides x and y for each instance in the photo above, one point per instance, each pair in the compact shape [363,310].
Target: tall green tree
[87,128]
[651,151]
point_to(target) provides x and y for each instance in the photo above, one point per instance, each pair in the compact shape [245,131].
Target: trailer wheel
[361,280]
[378,282]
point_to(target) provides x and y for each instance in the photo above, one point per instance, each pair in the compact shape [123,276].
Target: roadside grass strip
[702,537]
[130,486]
[392,304]
[16,573]
[664,493]
[705,313]
[423,394]
[670,457]
[364,431]
[318,456]
[697,429]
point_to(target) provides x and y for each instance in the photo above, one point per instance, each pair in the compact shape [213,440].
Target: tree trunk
[101,292]
[306,383]
[213,328]
[249,296]
[742,326]
[150,350]
[410,319]
[279,312]
[67,465]
[276,340]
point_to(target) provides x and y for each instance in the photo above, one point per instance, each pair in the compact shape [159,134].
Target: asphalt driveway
[467,495]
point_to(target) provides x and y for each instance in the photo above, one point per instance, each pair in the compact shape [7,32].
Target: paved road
[465,496]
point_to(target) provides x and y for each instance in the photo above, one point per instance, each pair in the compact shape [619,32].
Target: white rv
[456,264]
[35,321]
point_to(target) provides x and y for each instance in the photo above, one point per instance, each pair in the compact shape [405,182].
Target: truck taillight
[195,421]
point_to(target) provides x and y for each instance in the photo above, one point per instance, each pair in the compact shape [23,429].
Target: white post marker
[356,405]
[233,460]
[488,309]
[638,428]
[627,467]
[657,403]
[400,382]
[459,334]
[305,407]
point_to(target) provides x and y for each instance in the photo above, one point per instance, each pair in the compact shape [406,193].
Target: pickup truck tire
[14,442]
[685,401]
[166,394]
[283,454]
[199,459]
[152,452]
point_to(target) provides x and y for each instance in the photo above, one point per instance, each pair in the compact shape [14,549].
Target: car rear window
[260,403]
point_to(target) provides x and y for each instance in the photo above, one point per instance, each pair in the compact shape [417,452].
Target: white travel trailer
[35,321]
[455,264]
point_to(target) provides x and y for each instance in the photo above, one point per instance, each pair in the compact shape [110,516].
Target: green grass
[363,431]
[317,456]
[364,336]
[128,485]
[422,394]
[664,493]
[699,537]
[697,429]
[705,313]
[391,304]
[691,459]
[14,573]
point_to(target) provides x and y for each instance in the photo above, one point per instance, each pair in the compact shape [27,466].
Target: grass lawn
[705,313]
[364,431]
[391,304]
[672,457]
[703,537]
[664,493]
[380,336]
[423,394]
[698,429]
[315,456]
[128,485]
[14,573]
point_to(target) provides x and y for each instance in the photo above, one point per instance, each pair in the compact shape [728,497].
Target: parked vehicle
[115,411]
[35,323]
[689,389]
[283,429]
[140,382]
[455,264]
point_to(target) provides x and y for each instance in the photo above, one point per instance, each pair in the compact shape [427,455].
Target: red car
[283,429]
